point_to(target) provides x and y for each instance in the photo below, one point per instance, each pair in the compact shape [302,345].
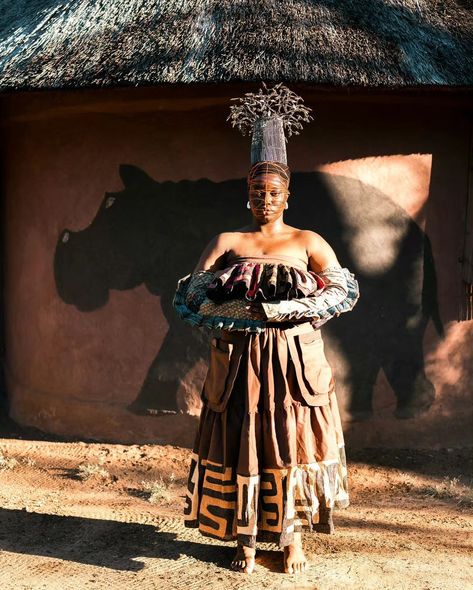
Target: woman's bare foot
[294,558]
[244,560]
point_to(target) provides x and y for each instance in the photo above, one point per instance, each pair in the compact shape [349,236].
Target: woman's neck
[269,229]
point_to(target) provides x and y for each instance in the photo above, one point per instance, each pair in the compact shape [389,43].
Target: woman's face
[267,195]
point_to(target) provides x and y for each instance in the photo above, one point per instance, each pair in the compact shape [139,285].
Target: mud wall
[110,196]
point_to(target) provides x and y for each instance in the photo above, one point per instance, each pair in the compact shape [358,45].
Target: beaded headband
[269,167]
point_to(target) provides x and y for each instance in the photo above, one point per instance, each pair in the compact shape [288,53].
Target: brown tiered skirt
[269,455]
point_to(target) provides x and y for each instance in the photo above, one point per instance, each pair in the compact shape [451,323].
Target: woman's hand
[256,310]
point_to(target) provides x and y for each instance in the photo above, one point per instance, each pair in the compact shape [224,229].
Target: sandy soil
[83,515]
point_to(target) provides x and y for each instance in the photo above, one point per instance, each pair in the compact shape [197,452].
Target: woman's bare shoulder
[227,238]
[214,254]
[231,237]
[320,252]
[223,238]
[312,237]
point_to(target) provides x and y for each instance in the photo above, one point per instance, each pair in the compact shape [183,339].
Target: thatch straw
[75,43]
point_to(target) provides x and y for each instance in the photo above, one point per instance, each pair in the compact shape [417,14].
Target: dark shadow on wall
[153,233]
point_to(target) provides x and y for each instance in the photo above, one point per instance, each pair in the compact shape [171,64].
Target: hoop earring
[286,206]
[248,206]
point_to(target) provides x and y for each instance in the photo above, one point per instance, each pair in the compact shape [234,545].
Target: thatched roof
[77,43]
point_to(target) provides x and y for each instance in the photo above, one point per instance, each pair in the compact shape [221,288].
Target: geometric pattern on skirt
[267,507]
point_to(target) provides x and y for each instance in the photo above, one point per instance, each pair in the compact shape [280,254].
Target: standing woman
[269,459]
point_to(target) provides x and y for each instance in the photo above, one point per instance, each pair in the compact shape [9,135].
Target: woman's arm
[191,289]
[214,254]
[319,252]
[339,295]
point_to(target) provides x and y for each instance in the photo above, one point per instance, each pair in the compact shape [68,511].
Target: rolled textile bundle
[192,304]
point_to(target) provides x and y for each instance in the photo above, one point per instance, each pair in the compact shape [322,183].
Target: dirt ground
[88,515]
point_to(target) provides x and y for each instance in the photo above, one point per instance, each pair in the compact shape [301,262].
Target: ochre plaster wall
[87,300]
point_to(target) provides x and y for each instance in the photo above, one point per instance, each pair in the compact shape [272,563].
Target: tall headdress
[269,116]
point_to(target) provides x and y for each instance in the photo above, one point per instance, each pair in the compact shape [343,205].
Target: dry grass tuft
[450,489]
[89,470]
[159,490]
[28,462]
[7,462]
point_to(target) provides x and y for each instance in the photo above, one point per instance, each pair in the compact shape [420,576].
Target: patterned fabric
[257,281]
[197,286]
[194,307]
[234,308]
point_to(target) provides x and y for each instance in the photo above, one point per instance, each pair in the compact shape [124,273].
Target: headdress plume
[269,115]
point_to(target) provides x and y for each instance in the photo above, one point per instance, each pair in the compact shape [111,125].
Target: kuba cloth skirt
[269,456]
